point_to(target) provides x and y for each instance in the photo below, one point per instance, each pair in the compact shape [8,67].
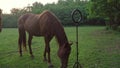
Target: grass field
[98,48]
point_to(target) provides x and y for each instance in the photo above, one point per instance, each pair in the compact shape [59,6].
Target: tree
[108,9]
[15,11]
[62,10]
[37,7]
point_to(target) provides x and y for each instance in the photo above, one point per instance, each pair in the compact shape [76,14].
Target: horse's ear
[70,43]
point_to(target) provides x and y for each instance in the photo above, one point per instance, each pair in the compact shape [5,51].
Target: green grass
[98,48]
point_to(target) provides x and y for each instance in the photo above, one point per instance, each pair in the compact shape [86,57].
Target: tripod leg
[77,65]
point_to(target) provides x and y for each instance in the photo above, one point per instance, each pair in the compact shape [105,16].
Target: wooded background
[95,12]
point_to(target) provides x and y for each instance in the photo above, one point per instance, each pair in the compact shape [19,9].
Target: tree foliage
[108,9]
[62,10]
[94,12]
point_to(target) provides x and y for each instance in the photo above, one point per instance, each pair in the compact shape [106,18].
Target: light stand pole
[75,14]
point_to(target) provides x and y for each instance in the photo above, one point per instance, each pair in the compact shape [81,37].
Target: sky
[7,5]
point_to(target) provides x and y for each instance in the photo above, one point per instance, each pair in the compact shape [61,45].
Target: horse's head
[63,53]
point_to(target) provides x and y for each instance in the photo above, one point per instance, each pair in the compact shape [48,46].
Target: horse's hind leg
[20,42]
[29,43]
[24,42]
[20,48]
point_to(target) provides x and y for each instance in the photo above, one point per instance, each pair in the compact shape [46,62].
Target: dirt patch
[101,32]
[106,41]
[113,49]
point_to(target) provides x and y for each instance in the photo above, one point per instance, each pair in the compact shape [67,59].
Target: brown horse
[45,24]
[0,20]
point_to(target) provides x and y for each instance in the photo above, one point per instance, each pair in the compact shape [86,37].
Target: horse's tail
[22,36]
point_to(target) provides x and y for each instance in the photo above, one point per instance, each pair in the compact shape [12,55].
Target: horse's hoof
[45,60]
[20,55]
[32,56]
[51,66]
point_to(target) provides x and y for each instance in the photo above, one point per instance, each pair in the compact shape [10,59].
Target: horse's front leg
[29,43]
[49,59]
[47,49]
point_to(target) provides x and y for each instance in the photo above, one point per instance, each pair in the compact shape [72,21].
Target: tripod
[75,14]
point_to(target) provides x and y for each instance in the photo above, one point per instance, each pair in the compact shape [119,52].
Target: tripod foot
[77,65]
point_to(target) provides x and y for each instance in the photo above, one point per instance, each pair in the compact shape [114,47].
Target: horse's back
[32,25]
[40,24]
[28,22]
[23,18]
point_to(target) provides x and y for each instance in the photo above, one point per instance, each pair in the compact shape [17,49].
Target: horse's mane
[50,14]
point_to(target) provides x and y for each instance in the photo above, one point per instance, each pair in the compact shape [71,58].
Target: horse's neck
[61,36]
